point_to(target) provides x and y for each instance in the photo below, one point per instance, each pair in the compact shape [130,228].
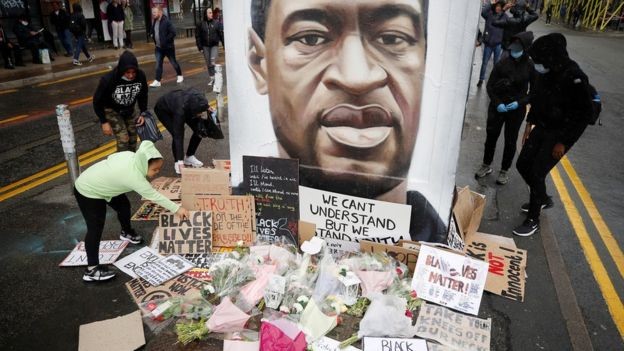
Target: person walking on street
[116,16]
[561,109]
[174,110]
[522,16]
[106,183]
[163,34]
[207,37]
[549,13]
[60,20]
[562,13]
[508,91]
[492,37]
[78,28]
[119,90]
[128,22]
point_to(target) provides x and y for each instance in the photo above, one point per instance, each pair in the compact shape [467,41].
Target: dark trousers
[534,164]
[511,121]
[81,45]
[94,213]
[160,56]
[167,121]
[7,54]
[129,38]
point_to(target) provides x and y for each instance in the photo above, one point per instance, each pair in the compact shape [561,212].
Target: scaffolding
[596,14]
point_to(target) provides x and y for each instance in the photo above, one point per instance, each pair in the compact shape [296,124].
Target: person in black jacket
[561,107]
[492,36]
[8,50]
[115,15]
[163,33]
[508,91]
[78,28]
[523,15]
[207,37]
[175,109]
[60,19]
[30,38]
[119,90]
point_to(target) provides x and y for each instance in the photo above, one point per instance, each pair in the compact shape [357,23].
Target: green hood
[146,152]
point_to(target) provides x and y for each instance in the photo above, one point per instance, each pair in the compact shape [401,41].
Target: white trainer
[193,161]
[180,79]
[177,166]
[211,81]
[155,84]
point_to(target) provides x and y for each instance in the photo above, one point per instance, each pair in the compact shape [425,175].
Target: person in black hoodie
[175,109]
[78,28]
[114,100]
[508,91]
[60,19]
[560,111]
[523,15]
[207,37]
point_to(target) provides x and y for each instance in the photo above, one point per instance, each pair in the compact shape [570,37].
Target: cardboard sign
[109,251]
[164,269]
[401,254]
[438,347]
[142,291]
[507,266]
[205,181]
[137,260]
[327,344]
[205,260]
[224,165]
[123,333]
[148,211]
[343,220]
[392,344]
[169,187]
[454,238]
[450,279]
[199,274]
[468,210]
[458,331]
[185,236]
[233,217]
[274,183]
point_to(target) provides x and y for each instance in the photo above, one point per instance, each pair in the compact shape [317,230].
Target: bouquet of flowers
[375,271]
[228,276]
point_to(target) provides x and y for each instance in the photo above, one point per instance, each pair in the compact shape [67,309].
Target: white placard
[109,251]
[164,269]
[137,260]
[327,344]
[274,292]
[392,344]
[450,279]
[344,220]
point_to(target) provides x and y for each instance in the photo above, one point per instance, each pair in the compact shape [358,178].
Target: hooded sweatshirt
[121,95]
[522,17]
[120,173]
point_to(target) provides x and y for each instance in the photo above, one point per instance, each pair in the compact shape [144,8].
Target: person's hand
[558,151]
[106,129]
[140,121]
[182,213]
[527,132]
[507,6]
[502,108]
[512,106]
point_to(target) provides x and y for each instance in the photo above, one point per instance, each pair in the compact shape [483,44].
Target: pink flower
[409,314]
[413,294]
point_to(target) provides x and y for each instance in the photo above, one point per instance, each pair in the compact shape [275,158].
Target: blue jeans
[80,46]
[160,56]
[65,39]
[487,52]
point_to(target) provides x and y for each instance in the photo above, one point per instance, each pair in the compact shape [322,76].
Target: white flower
[284,309]
[209,288]
[303,299]
[240,243]
[298,307]
[236,255]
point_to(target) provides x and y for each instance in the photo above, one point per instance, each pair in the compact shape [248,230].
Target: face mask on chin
[516,54]
[541,69]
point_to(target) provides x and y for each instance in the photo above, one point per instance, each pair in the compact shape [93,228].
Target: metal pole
[218,88]
[68,141]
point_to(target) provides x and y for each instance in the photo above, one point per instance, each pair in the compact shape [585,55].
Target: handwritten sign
[205,181]
[455,330]
[274,183]
[393,344]
[137,260]
[142,291]
[454,238]
[185,236]
[164,269]
[148,211]
[450,279]
[169,187]
[109,251]
[343,220]
[327,344]
[205,260]
[401,254]
[233,217]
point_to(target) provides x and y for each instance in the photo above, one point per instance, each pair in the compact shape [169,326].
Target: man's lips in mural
[357,126]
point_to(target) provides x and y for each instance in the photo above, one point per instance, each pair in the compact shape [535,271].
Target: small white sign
[109,251]
[327,344]
[137,260]
[393,344]
[274,292]
[164,269]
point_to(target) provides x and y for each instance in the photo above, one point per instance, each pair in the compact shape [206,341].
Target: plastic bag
[149,129]
[386,317]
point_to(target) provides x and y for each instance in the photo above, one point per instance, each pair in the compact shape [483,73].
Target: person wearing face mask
[508,91]
[522,16]
[561,108]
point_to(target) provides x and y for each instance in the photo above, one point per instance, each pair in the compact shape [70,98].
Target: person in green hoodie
[106,183]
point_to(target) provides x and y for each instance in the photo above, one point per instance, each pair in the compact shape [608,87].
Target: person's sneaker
[503,178]
[77,63]
[132,237]
[176,167]
[97,274]
[483,171]
[480,83]
[180,79]
[527,228]
[546,205]
[192,161]
[211,81]
[155,84]
[91,58]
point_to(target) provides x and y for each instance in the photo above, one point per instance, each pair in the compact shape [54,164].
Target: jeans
[65,39]
[210,55]
[80,46]
[487,52]
[160,56]
[512,121]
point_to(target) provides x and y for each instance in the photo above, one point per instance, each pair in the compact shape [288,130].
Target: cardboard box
[468,211]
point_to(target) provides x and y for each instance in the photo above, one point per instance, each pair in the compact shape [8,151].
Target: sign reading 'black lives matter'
[185,236]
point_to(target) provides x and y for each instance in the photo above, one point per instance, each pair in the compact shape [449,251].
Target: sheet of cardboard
[498,239]
[169,187]
[468,210]
[406,256]
[306,231]
[191,236]
[148,211]
[205,181]
[123,333]
[109,252]
[142,291]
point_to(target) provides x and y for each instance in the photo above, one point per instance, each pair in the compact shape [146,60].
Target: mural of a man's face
[344,81]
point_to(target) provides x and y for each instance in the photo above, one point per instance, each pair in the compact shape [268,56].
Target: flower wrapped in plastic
[281,335]
[295,299]
[251,293]
[376,271]
[228,276]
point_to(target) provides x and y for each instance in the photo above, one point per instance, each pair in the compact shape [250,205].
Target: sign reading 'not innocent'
[185,236]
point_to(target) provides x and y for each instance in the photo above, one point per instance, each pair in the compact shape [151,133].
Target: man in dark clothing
[208,34]
[549,13]
[175,109]
[508,91]
[522,17]
[7,50]
[78,28]
[30,38]
[60,19]
[114,101]
[163,33]
[561,107]
[492,37]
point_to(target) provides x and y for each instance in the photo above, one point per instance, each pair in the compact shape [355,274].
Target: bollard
[218,88]
[68,141]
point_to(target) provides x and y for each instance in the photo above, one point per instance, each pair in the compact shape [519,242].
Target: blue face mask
[541,69]
[516,54]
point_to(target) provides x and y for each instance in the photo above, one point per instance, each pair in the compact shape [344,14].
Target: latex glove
[501,108]
[512,106]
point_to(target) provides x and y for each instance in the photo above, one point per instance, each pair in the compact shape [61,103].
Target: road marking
[13,119]
[8,91]
[614,303]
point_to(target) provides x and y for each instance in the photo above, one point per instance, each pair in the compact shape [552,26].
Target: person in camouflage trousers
[124,129]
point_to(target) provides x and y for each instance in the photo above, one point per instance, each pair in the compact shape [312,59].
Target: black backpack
[596,106]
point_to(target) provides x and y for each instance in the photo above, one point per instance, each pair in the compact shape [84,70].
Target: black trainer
[546,205]
[527,228]
[97,274]
[131,236]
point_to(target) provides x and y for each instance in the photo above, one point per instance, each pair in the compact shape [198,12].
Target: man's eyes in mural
[308,38]
[397,40]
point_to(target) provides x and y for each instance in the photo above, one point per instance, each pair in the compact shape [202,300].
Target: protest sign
[343,220]
[454,237]
[109,251]
[450,279]
[199,274]
[164,269]
[169,187]
[274,291]
[205,260]
[205,181]
[401,254]
[137,260]
[124,333]
[225,165]
[438,347]
[393,344]
[328,344]
[507,265]
[148,211]
[468,210]
[455,330]
[233,217]
[498,239]
[185,236]
[411,245]
[274,183]
[142,291]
